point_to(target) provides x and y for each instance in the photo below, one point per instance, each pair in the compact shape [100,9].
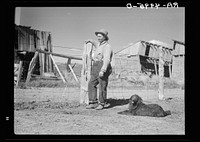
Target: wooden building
[27,40]
[143,57]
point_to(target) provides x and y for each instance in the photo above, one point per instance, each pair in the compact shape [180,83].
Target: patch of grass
[138,82]
[48,83]
[171,84]
[113,83]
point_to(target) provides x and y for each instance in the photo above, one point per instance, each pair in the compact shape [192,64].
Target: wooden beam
[179,42]
[174,45]
[57,69]
[73,73]
[59,55]
[55,54]
[31,67]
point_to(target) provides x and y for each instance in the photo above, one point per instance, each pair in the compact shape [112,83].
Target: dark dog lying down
[137,107]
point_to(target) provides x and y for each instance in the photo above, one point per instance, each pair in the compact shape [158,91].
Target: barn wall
[127,66]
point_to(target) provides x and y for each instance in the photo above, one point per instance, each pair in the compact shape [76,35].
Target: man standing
[101,69]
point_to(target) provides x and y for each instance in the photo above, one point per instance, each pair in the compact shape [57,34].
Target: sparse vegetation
[126,82]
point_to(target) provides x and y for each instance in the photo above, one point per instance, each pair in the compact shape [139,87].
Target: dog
[137,107]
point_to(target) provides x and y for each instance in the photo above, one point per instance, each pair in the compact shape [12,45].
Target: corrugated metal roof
[147,49]
[131,49]
[160,43]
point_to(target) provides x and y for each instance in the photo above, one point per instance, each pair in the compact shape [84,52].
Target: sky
[71,26]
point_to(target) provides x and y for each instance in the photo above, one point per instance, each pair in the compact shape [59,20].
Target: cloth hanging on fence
[86,65]
[85,72]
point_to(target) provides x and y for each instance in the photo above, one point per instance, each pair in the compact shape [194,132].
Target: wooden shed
[143,57]
[27,40]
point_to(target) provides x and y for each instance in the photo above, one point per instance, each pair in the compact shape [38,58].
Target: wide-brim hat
[103,32]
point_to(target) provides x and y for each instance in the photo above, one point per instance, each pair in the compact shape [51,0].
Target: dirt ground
[57,111]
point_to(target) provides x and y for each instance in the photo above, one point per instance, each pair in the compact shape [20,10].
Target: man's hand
[101,73]
[89,40]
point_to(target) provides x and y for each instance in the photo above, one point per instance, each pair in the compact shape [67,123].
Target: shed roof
[158,42]
[131,49]
[147,49]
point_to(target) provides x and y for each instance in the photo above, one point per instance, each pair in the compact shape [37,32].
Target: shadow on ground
[117,102]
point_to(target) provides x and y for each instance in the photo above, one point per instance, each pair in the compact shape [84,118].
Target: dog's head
[134,101]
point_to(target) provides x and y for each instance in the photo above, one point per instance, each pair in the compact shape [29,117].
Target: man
[101,69]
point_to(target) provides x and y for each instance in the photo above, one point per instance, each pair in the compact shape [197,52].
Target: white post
[73,73]
[57,68]
[161,74]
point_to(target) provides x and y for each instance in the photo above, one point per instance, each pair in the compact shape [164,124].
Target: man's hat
[103,32]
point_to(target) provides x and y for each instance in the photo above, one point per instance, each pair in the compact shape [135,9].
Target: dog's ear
[131,97]
[139,100]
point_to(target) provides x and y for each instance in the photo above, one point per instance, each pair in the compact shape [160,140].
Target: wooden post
[46,63]
[31,66]
[41,61]
[68,63]
[85,72]
[57,69]
[161,74]
[41,56]
[155,65]
[170,70]
[19,73]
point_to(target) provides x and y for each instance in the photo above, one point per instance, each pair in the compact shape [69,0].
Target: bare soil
[57,111]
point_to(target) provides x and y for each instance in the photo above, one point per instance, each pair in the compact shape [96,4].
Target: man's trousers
[95,80]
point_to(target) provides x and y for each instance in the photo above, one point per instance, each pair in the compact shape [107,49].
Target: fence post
[155,66]
[161,74]
[85,72]
[170,70]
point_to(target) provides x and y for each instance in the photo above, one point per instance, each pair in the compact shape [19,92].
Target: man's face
[100,37]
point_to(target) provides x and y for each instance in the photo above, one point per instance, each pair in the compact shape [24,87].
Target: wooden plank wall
[29,40]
